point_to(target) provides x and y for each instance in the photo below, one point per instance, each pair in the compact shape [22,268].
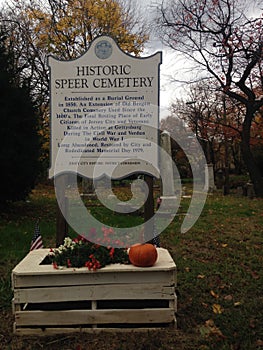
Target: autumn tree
[223,40]
[65,29]
[216,121]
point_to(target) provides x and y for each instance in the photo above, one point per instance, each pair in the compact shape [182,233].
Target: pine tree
[18,131]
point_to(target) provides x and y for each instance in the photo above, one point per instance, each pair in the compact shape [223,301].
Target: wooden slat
[75,279]
[31,264]
[78,317]
[15,307]
[52,331]
[95,292]
[173,303]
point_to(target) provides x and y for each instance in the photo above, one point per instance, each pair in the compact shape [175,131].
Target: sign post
[105,114]
[61,223]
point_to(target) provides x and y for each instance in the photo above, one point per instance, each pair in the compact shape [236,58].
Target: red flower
[111,252]
[88,264]
[96,265]
[55,265]
[68,263]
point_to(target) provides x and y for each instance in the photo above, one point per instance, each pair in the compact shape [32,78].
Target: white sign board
[104,112]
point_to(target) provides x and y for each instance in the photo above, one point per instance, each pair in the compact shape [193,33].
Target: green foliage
[18,133]
[80,252]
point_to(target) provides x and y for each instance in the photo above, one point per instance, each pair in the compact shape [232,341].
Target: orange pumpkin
[143,255]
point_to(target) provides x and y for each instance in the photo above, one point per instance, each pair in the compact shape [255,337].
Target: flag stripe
[36,242]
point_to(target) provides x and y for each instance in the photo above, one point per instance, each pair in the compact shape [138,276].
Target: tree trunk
[237,159]
[252,167]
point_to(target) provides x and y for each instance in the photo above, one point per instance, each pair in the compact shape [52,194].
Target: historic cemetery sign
[104,112]
[104,121]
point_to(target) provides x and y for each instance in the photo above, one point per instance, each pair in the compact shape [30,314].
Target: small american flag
[36,242]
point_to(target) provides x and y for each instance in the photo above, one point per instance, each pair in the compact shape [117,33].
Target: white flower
[68,242]
[73,245]
[60,249]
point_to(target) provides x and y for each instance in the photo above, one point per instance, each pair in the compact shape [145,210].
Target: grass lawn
[220,277]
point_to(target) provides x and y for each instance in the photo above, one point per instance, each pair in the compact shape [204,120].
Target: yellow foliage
[68,34]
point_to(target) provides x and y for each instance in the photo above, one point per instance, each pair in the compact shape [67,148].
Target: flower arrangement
[81,252]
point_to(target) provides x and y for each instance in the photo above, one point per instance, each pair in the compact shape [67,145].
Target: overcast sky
[170,66]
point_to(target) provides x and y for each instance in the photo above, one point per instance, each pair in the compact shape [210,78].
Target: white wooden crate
[116,297]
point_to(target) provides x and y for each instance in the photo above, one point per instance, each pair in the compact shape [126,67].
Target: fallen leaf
[217,309]
[222,286]
[210,323]
[214,294]
[201,276]
[210,329]
[237,303]
[228,297]
[205,331]
[224,245]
